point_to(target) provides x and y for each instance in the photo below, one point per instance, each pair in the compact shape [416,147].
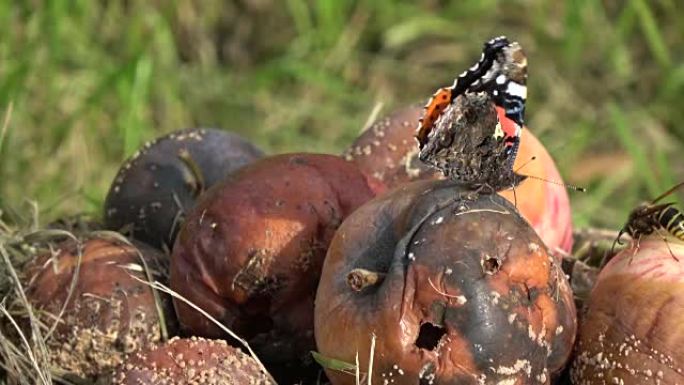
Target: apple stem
[359,279]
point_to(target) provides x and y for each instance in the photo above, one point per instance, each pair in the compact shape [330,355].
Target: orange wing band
[433,109]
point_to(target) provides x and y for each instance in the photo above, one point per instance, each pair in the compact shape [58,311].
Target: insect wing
[433,109]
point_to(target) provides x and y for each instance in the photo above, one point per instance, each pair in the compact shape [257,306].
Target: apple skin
[250,253]
[108,314]
[191,361]
[155,187]
[632,331]
[456,291]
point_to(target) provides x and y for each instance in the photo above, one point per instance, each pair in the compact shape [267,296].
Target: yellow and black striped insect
[650,217]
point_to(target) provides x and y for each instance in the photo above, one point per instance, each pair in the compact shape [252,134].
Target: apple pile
[384,262]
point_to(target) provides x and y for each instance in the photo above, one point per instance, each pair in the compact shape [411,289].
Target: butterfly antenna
[515,196]
[566,185]
[668,192]
[525,164]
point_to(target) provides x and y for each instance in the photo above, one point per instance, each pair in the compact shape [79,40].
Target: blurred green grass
[90,81]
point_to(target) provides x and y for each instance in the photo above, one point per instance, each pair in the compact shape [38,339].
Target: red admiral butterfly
[457,137]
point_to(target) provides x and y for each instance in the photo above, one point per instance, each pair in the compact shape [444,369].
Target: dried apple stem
[359,279]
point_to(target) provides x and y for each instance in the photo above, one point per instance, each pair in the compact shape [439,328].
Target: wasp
[650,217]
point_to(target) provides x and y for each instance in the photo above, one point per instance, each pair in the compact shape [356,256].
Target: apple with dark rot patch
[156,186]
[250,253]
[455,289]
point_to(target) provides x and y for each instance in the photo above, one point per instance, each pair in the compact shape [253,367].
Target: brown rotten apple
[156,186]
[191,361]
[632,332]
[251,251]
[457,290]
[387,153]
[107,314]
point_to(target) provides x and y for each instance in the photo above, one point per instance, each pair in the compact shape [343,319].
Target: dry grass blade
[17,366]
[473,211]
[372,117]
[43,376]
[37,354]
[5,123]
[161,287]
[335,364]
[178,218]
[148,274]
[12,361]
[370,359]
[4,227]
[44,235]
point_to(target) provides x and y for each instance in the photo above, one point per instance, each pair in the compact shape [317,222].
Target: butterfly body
[469,144]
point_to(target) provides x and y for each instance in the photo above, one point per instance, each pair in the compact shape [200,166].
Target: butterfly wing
[446,95]
[433,109]
[501,73]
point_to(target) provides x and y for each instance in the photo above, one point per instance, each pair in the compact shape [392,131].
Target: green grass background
[89,81]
